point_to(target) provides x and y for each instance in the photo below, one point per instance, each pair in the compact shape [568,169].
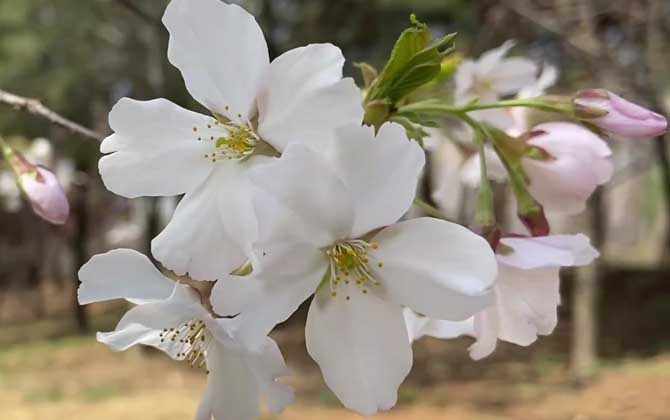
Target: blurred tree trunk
[80,218]
[584,352]
[657,65]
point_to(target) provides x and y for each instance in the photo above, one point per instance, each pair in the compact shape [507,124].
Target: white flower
[526,294]
[171,317]
[161,149]
[491,77]
[521,115]
[329,225]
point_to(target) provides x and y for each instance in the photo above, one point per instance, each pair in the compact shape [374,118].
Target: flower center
[190,339]
[230,140]
[350,264]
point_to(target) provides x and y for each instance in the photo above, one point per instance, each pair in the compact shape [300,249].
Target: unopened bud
[616,115]
[40,186]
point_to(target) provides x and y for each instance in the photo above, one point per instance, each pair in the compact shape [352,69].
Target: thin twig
[35,107]
[137,11]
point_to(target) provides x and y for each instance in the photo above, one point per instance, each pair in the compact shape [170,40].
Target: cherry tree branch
[140,13]
[35,107]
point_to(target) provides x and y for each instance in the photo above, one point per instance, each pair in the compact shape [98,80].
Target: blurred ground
[75,378]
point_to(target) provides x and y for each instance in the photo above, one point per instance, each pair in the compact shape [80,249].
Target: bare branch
[140,13]
[35,107]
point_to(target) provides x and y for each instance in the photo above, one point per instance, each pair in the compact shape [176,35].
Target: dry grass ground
[75,378]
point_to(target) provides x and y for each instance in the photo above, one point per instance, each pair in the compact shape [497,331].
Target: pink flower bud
[616,115]
[573,163]
[46,195]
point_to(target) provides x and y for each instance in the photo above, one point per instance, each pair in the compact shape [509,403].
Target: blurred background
[610,355]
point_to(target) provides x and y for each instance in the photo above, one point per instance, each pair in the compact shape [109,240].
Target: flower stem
[437,107]
[430,210]
[485,214]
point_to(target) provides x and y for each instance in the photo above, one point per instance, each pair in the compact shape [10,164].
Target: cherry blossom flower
[258,108]
[621,117]
[491,77]
[526,294]
[577,162]
[171,317]
[328,226]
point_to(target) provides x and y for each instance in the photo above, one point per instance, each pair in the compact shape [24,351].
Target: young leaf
[414,62]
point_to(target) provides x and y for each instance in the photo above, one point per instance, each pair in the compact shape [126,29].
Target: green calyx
[511,151]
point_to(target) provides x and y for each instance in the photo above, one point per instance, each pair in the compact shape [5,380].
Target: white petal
[129,336]
[232,389]
[143,324]
[434,267]
[286,277]
[464,80]
[268,366]
[221,52]
[499,118]
[415,324]
[361,345]
[526,303]
[304,98]
[513,74]
[382,173]
[154,150]
[489,61]
[307,185]
[211,228]
[182,306]
[549,251]
[420,326]
[122,274]
[485,328]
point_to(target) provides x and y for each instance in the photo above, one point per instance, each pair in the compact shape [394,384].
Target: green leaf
[414,62]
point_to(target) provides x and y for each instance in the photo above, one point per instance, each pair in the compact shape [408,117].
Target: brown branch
[140,13]
[35,107]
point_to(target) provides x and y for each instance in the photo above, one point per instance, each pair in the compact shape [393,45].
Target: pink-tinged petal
[154,150]
[221,52]
[212,227]
[381,173]
[434,267]
[122,274]
[526,302]
[623,118]
[46,195]
[548,251]
[578,162]
[361,346]
[306,185]
[304,98]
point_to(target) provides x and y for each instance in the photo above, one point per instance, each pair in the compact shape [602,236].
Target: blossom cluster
[297,186]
